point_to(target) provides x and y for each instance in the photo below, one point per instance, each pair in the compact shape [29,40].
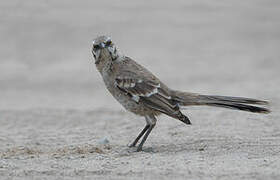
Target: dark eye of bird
[96,46]
[108,43]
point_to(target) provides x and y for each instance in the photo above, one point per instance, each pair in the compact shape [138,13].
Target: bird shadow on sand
[190,147]
[251,148]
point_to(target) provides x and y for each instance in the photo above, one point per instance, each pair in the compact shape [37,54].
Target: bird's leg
[151,121]
[139,148]
[139,136]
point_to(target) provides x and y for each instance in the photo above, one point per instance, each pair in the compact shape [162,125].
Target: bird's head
[103,49]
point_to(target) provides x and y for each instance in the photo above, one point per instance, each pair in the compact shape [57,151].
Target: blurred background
[211,47]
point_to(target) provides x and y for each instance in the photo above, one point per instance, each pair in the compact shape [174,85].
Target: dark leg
[140,135]
[145,137]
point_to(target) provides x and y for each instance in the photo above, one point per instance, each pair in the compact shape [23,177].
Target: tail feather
[238,103]
[233,99]
[242,107]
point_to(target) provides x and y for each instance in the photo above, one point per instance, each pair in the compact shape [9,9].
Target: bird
[139,91]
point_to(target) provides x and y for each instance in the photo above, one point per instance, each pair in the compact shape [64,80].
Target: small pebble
[103,141]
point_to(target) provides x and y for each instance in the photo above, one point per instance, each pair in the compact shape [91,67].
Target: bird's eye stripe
[96,46]
[108,43]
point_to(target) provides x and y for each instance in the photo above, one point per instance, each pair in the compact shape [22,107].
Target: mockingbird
[142,93]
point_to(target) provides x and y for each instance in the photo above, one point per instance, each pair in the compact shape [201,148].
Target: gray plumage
[140,92]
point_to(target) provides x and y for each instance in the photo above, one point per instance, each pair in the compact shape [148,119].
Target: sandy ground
[54,111]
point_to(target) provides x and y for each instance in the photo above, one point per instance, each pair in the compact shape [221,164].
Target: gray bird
[142,93]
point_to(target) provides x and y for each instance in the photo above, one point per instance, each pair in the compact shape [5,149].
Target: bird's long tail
[238,103]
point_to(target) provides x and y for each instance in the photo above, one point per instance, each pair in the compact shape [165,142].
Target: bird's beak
[96,54]
[93,53]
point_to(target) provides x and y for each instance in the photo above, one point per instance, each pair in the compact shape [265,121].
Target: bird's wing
[149,91]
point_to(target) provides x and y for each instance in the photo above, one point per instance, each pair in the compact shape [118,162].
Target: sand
[55,113]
